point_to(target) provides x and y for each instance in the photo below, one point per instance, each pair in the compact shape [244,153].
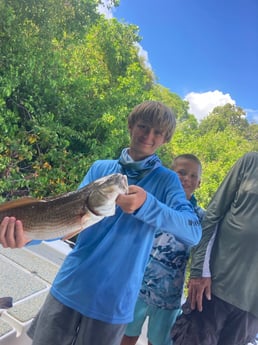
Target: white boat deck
[26,276]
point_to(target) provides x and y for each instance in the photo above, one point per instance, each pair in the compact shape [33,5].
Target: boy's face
[145,140]
[189,173]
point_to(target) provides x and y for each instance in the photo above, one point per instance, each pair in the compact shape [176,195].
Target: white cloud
[144,55]
[201,104]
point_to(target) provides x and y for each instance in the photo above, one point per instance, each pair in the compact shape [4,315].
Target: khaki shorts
[220,323]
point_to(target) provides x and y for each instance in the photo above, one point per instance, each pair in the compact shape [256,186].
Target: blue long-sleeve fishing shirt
[102,276]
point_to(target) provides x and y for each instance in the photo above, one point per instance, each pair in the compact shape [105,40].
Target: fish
[67,214]
[6,302]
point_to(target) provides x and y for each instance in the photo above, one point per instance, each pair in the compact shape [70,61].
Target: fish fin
[6,302]
[83,219]
[19,202]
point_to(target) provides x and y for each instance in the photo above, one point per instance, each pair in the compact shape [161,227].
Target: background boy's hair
[155,114]
[186,156]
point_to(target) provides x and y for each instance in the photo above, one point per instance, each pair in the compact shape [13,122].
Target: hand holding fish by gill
[69,213]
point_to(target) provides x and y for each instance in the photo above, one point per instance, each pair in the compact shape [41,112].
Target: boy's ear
[199,183]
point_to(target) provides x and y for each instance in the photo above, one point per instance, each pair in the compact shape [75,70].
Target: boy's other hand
[12,234]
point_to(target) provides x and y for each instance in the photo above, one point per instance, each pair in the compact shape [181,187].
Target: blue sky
[205,51]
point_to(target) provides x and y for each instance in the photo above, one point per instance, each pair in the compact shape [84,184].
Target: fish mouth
[117,179]
[125,183]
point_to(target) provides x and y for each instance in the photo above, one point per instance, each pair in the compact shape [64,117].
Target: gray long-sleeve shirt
[233,256]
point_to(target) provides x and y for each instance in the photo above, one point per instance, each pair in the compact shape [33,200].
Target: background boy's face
[145,140]
[189,173]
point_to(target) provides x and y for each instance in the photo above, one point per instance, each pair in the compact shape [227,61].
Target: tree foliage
[218,146]
[68,79]
[222,117]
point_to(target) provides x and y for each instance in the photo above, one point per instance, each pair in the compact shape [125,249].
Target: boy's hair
[187,156]
[156,114]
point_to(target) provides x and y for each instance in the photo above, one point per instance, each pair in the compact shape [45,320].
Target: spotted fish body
[69,213]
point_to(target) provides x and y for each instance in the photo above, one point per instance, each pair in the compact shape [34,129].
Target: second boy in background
[163,283]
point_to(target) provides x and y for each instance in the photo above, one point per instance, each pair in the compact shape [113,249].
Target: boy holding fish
[94,293]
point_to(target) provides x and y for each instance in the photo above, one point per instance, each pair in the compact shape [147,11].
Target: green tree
[172,100]
[218,150]
[68,78]
[222,117]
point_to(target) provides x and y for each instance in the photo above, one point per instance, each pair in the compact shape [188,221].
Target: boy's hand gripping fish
[67,214]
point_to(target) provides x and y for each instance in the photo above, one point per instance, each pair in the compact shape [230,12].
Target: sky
[205,51]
